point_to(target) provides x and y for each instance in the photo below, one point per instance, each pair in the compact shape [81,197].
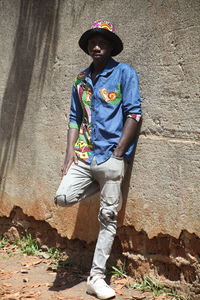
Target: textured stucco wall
[39,58]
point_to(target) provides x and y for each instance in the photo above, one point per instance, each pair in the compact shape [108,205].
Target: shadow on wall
[36,36]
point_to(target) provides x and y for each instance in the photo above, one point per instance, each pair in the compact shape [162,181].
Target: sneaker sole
[89,292]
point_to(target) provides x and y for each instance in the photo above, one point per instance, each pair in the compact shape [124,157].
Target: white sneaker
[97,286]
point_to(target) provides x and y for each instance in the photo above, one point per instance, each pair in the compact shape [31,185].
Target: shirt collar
[108,68]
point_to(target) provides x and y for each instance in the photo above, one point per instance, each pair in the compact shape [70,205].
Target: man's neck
[98,66]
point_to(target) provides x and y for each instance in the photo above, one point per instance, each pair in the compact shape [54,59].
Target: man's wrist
[118,152]
[69,148]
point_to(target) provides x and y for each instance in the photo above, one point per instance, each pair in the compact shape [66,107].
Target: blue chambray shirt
[99,110]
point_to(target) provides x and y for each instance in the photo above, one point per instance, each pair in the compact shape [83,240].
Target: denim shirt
[99,110]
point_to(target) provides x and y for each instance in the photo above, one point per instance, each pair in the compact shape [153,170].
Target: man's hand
[69,159]
[118,153]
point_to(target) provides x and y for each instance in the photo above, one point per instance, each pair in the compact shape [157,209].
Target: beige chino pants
[83,180]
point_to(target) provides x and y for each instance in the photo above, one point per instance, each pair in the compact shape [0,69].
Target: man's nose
[96,47]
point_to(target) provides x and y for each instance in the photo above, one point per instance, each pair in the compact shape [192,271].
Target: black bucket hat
[107,30]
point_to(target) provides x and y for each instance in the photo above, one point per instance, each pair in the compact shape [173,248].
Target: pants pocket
[117,157]
[115,169]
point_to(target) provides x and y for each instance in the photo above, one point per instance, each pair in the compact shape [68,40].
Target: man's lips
[96,54]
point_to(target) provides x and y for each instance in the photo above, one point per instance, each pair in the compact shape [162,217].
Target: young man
[104,115]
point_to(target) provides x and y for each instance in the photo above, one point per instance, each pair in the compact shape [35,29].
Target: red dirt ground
[25,277]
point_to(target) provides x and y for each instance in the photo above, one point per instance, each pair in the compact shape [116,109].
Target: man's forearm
[128,133]
[70,155]
[72,137]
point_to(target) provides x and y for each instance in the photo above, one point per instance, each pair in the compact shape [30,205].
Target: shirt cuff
[136,117]
[74,125]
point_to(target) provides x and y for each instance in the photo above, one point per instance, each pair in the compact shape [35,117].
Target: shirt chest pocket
[111,96]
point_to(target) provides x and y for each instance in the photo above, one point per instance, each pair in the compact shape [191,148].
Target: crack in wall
[172,135]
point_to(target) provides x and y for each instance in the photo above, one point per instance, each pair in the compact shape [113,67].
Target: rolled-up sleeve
[130,93]
[76,112]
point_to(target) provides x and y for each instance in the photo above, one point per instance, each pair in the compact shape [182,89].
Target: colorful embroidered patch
[80,77]
[83,146]
[113,97]
[86,95]
[136,117]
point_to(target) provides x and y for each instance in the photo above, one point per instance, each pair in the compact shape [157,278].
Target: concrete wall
[39,58]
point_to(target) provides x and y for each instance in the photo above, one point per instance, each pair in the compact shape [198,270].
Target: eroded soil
[38,278]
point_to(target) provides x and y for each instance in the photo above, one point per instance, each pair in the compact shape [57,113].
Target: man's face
[99,48]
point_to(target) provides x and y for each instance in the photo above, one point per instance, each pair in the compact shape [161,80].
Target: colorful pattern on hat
[104,25]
